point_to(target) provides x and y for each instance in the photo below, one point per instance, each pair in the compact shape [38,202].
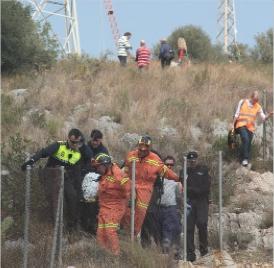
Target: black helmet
[103,159]
[146,140]
[192,155]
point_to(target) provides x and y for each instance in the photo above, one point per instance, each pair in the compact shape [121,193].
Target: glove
[27,163]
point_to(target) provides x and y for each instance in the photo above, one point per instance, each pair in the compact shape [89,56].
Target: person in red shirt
[143,55]
[148,167]
[114,192]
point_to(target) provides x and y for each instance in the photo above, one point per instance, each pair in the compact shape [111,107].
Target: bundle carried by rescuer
[90,186]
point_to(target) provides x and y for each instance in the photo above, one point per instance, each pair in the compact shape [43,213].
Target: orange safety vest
[247,116]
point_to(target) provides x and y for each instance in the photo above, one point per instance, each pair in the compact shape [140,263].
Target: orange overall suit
[114,192]
[147,169]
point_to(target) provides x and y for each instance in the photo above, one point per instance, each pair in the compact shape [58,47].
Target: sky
[152,20]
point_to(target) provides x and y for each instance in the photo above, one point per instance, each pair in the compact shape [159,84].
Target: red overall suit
[114,192]
[147,169]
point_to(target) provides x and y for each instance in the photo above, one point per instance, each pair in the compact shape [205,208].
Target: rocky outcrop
[248,220]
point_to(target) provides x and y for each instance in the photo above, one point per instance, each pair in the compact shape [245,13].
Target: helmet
[192,155]
[102,159]
[145,140]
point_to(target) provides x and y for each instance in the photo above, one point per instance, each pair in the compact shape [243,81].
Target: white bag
[90,186]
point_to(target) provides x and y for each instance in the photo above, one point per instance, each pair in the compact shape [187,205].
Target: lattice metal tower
[227,34]
[66,10]
[112,20]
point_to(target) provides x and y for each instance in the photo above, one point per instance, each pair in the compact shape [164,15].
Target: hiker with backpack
[166,53]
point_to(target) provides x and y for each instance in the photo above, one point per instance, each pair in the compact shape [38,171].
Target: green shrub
[24,44]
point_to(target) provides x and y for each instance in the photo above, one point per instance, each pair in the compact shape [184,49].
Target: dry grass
[141,102]
[81,251]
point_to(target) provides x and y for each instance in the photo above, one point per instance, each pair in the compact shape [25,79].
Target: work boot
[245,163]
[191,257]
[203,252]
[166,245]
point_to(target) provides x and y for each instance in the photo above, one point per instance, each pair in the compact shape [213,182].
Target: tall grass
[140,101]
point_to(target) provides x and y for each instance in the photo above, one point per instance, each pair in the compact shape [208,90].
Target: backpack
[171,54]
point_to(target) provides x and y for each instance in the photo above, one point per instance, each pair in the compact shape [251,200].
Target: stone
[19,95]
[249,220]
[267,238]
[196,133]
[5,172]
[130,139]
[185,264]
[220,128]
[216,259]
[168,132]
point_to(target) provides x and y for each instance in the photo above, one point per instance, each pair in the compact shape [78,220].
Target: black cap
[192,155]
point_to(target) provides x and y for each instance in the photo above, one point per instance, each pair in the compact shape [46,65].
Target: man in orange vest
[244,123]
[148,166]
[114,192]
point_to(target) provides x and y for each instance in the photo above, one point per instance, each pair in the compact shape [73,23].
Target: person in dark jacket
[90,210]
[96,144]
[198,189]
[166,53]
[67,154]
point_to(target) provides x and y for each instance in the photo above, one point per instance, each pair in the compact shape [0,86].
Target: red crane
[112,20]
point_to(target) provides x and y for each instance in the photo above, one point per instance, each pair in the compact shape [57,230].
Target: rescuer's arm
[43,153]
[168,173]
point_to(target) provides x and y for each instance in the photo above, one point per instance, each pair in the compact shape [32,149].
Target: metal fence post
[133,195]
[56,227]
[185,209]
[27,216]
[220,199]
[264,126]
[61,217]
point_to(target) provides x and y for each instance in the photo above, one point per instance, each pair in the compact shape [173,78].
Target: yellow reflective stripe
[164,170]
[110,178]
[250,115]
[130,159]
[108,225]
[124,180]
[153,162]
[141,204]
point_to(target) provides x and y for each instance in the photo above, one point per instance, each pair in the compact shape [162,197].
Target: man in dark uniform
[90,210]
[96,144]
[67,154]
[198,188]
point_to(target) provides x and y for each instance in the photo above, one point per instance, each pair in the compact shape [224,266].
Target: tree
[24,43]
[263,50]
[239,52]
[198,43]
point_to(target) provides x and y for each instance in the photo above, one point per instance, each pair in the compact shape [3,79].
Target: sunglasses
[75,142]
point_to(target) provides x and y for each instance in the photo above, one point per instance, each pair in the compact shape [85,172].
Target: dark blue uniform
[198,188]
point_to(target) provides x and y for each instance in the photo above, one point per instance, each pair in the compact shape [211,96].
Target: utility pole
[46,11]
[227,35]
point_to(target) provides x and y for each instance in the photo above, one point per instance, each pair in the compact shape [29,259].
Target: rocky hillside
[181,109]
